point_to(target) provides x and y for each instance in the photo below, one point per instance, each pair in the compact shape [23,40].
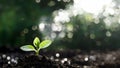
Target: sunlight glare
[63,16]
[56,27]
[91,6]
[37,1]
[41,26]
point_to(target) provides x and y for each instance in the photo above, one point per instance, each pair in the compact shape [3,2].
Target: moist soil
[15,58]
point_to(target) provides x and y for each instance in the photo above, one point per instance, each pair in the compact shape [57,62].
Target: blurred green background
[74,24]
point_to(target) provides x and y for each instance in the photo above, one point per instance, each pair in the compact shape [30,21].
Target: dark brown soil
[16,58]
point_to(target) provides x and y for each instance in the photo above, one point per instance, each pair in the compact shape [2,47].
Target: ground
[15,58]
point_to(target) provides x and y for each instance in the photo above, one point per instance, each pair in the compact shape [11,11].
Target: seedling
[36,45]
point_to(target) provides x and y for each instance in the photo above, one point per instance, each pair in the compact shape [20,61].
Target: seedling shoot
[37,45]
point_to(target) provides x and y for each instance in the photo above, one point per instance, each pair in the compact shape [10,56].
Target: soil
[15,58]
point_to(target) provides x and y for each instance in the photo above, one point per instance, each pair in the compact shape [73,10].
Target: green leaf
[45,44]
[36,42]
[27,48]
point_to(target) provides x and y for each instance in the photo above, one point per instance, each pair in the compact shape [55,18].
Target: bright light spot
[119,21]
[62,61]
[9,62]
[58,0]
[47,37]
[37,1]
[107,22]
[57,55]
[70,27]
[52,57]
[63,16]
[56,27]
[25,30]
[88,17]
[80,6]
[62,35]
[12,60]
[8,57]
[65,59]
[53,35]
[92,36]
[93,58]
[108,33]
[86,58]
[70,35]
[4,56]
[41,26]
[91,6]
[34,27]
[15,62]
[96,21]
[66,0]
[75,13]
[110,11]
[105,13]
[86,66]
[51,3]
[56,59]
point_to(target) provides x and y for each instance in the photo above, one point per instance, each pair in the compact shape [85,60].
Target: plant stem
[37,52]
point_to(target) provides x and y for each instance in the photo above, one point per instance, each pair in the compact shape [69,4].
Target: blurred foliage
[20,19]
[17,17]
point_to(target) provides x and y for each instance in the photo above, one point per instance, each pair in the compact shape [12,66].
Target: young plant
[37,45]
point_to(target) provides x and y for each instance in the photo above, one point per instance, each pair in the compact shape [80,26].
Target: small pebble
[9,62]
[52,57]
[57,55]
[86,58]
[8,57]
[15,62]
[65,59]
[12,60]
[93,58]
[56,59]
[62,61]
[4,56]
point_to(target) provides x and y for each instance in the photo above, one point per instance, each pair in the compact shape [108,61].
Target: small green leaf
[36,42]
[45,44]
[27,48]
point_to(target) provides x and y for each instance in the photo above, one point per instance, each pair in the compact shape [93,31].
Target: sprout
[37,45]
